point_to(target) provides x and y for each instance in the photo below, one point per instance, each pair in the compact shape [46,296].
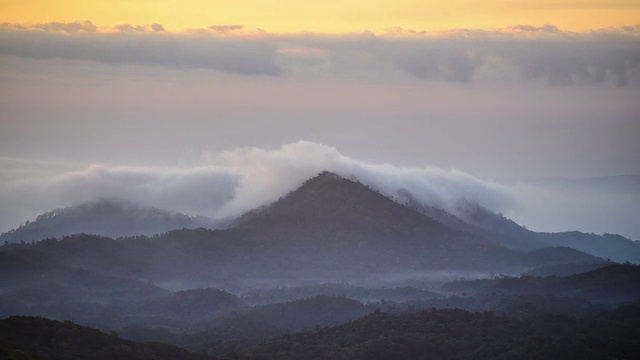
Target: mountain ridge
[110,217]
[329,229]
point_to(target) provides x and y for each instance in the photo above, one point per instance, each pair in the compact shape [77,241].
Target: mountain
[493,227]
[38,338]
[609,284]
[335,211]
[106,217]
[331,218]
[329,211]
[609,246]
[476,219]
[365,294]
[566,269]
[329,229]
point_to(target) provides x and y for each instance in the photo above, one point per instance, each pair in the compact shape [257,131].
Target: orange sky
[329,16]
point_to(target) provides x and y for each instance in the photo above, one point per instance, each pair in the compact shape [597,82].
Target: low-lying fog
[427,280]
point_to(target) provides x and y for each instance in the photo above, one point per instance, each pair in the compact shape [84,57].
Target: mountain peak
[327,179]
[329,202]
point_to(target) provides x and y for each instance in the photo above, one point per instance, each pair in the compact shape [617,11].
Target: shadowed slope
[38,338]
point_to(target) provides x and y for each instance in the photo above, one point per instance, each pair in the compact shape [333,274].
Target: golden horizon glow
[329,16]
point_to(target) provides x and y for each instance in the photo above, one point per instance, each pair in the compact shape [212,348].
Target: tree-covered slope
[37,338]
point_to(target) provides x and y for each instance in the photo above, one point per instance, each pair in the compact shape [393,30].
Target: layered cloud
[136,47]
[518,53]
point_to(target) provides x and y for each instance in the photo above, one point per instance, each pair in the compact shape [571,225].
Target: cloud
[225,29]
[196,190]
[130,28]
[631,28]
[241,56]
[140,28]
[269,174]
[71,27]
[547,28]
[595,59]
[400,31]
[157,27]
[11,26]
[430,61]
[536,53]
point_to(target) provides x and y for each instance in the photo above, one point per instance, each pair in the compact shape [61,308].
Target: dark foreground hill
[431,334]
[37,338]
[458,334]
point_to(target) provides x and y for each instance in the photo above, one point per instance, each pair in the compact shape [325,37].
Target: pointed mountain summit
[331,204]
[336,216]
[334,220]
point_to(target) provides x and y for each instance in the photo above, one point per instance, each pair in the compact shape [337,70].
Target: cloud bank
[518,53]
[133,45]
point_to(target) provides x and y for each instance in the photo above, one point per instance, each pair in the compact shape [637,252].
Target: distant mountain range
[329,229]
[476,219]
[106,217]
[327,206]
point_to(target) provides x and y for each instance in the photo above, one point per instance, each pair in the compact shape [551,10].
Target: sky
[101,97]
